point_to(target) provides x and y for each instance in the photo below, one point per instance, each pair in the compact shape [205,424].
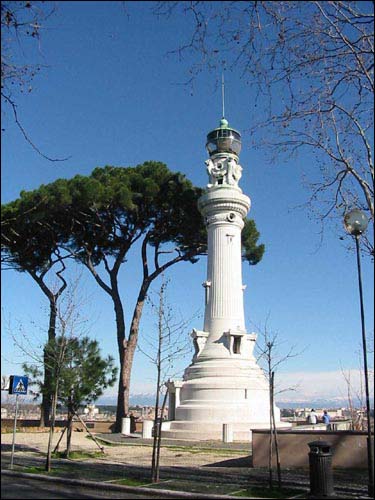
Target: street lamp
[355,223]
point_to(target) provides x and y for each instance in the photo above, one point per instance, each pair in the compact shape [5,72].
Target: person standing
[313,417]
[326,420]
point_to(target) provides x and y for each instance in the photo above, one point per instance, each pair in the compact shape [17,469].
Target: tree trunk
[157,428]
[126,351]
[69,432]
[52,429]
[123,382]
[270,451]
[48,367]
[157,465]
[56,376]
[275,432]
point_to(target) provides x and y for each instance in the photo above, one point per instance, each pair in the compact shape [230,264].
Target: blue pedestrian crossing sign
[18,385]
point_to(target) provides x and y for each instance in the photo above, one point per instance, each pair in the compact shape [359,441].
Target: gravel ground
[125,453]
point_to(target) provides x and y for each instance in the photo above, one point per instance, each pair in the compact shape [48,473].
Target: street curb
[118,487]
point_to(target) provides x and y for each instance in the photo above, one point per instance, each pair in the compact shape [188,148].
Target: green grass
[131,482]
[261,492]
[179,485]
[195,486]
[213,451]
[40,470]
[70,470]
[35,470]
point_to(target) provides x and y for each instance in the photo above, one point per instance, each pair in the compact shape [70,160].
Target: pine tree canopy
[78,367]
[103,214]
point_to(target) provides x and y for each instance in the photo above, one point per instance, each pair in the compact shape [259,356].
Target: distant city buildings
[297,416]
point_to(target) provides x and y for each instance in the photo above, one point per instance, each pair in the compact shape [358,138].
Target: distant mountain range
[319,403]
[148,399]
[331,403]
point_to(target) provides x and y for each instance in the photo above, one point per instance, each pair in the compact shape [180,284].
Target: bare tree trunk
[270,451]
[267,352]
[157,467]
[155,441]
[275,432]
[157,427]
[154,474]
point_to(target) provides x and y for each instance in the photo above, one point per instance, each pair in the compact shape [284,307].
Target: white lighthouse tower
[223,384]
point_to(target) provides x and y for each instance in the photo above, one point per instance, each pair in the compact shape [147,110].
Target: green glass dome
[223,139]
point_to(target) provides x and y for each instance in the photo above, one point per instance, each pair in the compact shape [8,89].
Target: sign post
[14,433]
[17,385]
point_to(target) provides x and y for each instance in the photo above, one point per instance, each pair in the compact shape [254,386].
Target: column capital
[172,385]
[224,203]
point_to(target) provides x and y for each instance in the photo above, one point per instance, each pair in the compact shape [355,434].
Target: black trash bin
[321,477]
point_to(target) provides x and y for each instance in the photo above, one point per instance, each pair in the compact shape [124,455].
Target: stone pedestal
[125,426]
[147,429]
[174,397]
[227,433]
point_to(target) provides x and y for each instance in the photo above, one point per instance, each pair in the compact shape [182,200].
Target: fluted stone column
[224,211]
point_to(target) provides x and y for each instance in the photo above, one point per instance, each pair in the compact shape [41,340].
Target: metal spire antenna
[222,93]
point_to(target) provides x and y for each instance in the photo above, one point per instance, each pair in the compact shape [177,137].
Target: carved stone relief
[223,171]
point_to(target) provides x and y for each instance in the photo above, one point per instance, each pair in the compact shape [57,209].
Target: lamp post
[355,223]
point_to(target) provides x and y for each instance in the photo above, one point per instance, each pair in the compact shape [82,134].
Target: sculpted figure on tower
[223,171]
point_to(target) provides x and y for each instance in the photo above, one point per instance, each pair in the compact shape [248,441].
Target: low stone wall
[96,426]
[29,425]
[349,448]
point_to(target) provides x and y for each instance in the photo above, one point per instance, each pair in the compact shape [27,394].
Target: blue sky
[111,95]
